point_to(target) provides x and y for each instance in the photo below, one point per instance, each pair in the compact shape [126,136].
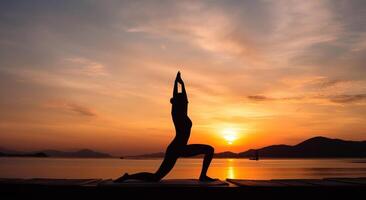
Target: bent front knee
[210,150]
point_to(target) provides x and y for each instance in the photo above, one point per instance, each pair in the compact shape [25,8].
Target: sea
[111,168]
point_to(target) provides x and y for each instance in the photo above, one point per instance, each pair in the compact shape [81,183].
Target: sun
[230,135]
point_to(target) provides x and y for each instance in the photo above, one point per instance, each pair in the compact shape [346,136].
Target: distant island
[83,153]
[316,147]
[150,155]
[39,155]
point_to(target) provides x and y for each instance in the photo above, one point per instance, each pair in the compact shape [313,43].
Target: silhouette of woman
[178,147]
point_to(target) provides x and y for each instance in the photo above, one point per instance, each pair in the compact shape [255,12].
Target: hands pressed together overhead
[179,78]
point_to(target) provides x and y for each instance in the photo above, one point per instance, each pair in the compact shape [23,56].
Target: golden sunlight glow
[230,170]
[230,173]
[114,98]
[230,135]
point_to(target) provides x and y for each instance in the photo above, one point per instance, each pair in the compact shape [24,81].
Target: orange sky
[100,75]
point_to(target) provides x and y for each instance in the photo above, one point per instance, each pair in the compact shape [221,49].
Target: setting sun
[230,135]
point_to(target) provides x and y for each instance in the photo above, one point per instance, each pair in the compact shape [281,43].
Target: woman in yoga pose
[178,147]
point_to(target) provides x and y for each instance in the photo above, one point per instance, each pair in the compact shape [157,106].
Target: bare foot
[207,179]
[122,178]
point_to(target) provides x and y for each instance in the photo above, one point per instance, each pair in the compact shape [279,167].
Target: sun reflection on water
[230,169]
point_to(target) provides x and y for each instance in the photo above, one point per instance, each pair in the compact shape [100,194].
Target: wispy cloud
[72,107]
[268,98]
[259,98]
[208,28]
[339,99]
[84,66]
[348,98]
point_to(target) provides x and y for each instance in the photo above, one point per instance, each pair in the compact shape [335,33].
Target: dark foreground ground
[182,189]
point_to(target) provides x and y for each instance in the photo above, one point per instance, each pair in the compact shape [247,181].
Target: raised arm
[184,90]
[175,89]
[180,80]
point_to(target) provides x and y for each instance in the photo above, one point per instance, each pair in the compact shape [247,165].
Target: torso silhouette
[181,121]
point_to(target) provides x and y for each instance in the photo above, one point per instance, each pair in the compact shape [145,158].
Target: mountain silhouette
[38,154]
[316,147]
[9,151]
[83,153]
[150,155]
[226,154]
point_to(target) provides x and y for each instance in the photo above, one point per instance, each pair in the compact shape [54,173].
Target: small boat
[256,156]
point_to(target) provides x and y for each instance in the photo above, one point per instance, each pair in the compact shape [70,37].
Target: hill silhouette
[226,154]
[316,147]
[150,155]
[38,154]
[83,153]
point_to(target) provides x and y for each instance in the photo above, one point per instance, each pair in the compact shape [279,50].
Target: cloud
[339,99]
[84,66]
[207,27]
[312,81]
[259,98]
[267,98]
[348,98]
[71,106]
[82,110]
[360,45]
[329,83]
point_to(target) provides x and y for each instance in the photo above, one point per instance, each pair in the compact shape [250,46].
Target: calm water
[185,168]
